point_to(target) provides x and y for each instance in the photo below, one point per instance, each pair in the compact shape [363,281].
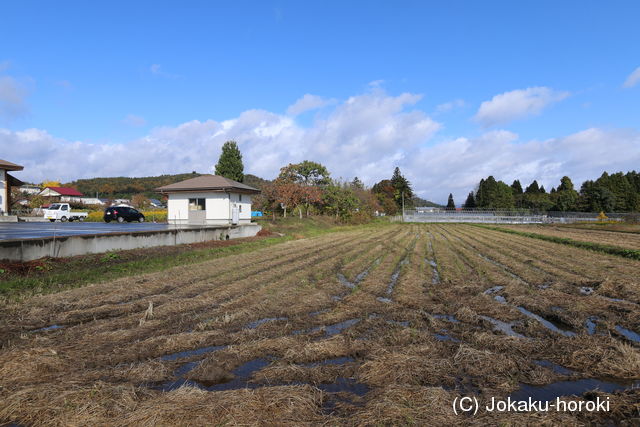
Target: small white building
[209,200]
[6,182]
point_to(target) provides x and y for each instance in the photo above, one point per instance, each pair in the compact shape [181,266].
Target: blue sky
[139,88]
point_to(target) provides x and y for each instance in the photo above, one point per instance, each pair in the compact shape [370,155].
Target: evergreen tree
[516,187]
[494,194]
[451,206]
[565,198]
[565,184]
[401,187]
[533,188]
[470,203]
[230,162]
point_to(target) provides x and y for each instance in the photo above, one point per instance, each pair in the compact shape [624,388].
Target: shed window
[196,204]
[239,197]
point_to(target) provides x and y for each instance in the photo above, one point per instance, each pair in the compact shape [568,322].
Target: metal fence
[518,216]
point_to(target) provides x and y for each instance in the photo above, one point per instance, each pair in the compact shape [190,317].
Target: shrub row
[155,215]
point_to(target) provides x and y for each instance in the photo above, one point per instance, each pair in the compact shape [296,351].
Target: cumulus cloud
[306,103]
[366,136]
[458,165]
[633,79]
[517,104]
[451,105]
[12,98]
[134,121]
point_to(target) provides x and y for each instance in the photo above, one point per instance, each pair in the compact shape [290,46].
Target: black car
[122,214]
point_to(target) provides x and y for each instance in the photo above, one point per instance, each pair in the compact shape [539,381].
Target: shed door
[197,212]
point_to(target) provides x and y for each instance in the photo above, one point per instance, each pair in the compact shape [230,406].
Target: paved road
[30,230]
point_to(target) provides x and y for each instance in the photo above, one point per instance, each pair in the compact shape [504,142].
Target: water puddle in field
[259,322]
[384,300]
[239,379]
[344,281]
[623,301]
[447,317]
[504,327]
[628,334]
[359,278]
[590,325]
[242,376]
[403,323]
[343,384]
[546,323]
[435,278]
[316,313]
[500,299]
[48,328]
[190,353]
[396,274]
[336,298]
[552,391]
[339,327]
[442,336]
[329,330]
[558,369]
[586,290]
[493,290]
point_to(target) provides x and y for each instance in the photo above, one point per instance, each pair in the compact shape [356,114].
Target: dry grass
[314,351]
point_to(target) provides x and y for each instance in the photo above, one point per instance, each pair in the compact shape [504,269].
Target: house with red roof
[62,194]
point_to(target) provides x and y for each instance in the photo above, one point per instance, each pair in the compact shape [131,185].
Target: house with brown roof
[209,200]
[6,182]
[62,194]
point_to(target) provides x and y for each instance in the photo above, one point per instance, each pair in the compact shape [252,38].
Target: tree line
[618,192]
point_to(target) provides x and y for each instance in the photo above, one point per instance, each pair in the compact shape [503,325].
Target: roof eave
[215,190]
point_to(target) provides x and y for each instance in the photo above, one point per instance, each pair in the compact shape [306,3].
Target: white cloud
[156,70]
[633,79]
[306,103]
[451,105]
[134,121]
[366,136]
[517,104]
[12,98]
[458,165]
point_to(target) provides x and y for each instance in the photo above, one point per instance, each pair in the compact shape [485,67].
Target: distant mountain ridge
[126,187]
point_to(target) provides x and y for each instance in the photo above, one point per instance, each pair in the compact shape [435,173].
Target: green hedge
[157,215]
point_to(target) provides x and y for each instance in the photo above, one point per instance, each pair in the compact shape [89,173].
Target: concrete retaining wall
[30,249]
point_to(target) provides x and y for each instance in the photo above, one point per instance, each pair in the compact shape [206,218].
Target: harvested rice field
[379,326]
[623,239]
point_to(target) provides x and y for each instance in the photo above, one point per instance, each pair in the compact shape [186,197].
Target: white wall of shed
[4,189]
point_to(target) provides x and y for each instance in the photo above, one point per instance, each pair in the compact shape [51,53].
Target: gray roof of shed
[9,166]
[207,182]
